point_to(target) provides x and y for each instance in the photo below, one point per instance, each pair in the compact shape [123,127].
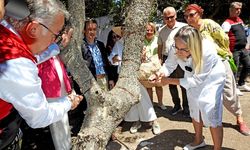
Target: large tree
[107,109]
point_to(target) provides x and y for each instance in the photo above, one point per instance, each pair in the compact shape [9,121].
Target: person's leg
[159,93]
[231,100]
[217,136]
[198,139]
[185,106]
[146,111]
[245,61]
[150,94]
[175,94]
[180,74]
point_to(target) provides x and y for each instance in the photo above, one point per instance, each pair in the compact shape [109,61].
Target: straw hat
[117,30]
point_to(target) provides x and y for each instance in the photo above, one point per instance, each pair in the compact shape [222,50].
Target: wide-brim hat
[17,9]
[117,30]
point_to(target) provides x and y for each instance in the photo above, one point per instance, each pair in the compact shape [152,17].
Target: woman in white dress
[144,110]
[204,81]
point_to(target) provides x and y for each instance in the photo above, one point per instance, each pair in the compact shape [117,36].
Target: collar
[8,26]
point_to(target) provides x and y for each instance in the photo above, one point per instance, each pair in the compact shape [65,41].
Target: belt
[100,76]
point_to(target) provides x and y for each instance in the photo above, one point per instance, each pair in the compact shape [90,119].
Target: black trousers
[178,73]
[242,57]
[11,134]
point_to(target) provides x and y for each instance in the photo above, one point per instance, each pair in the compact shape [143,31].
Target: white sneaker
[238,92]
[156,128]
[135,126]
[244,88]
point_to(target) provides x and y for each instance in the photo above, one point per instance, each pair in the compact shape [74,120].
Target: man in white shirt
[21,92]
[165,42]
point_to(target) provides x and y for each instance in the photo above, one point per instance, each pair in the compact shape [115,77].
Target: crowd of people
[210,63]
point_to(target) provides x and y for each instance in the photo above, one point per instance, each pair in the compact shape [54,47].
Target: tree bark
[106,109]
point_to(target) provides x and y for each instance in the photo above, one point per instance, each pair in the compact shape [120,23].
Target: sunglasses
[170,17]
[191,15]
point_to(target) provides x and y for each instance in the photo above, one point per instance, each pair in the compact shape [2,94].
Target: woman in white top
[204,81]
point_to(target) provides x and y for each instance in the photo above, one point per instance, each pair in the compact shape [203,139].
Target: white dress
[143,111]
[204,90]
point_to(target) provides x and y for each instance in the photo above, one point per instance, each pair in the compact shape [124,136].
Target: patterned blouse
[213,31]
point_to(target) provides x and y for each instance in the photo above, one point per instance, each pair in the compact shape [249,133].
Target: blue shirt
[97,57]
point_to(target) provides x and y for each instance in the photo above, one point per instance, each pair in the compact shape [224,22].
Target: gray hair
[169,9]
[234,4]
[43,11]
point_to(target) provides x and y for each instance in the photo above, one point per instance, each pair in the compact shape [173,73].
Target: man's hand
[159,79]
[75,100]
[66,37]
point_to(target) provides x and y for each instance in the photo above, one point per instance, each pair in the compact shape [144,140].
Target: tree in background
[106,109]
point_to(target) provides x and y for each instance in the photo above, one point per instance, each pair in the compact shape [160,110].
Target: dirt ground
[176,132]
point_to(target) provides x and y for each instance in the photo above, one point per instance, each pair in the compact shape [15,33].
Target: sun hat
[117,30]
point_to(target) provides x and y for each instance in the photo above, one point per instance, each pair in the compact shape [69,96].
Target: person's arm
[114,58]
[167,68]
[226,26]
[2,10]
[21,86]
[159,52]
[221,39]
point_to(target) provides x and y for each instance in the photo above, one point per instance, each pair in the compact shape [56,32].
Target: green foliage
[214,9]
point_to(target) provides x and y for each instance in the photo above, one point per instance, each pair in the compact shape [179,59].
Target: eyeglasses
[180,49]
[58,36]
[169,17]
[191,15]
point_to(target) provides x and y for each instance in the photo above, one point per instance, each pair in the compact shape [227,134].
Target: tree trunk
[106,109]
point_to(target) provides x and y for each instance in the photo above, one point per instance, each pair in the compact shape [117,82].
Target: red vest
[51,84]
[11,47]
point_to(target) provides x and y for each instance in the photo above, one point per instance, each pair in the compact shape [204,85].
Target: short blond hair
[151,24]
